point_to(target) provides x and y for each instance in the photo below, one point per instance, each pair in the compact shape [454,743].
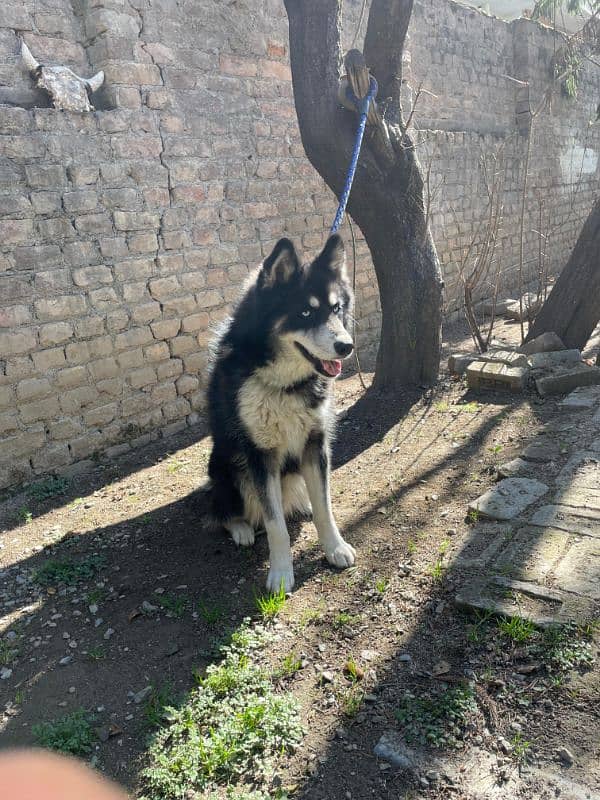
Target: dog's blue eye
[306,312]
[336,308]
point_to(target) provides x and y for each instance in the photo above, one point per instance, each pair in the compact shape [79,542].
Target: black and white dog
[270,403]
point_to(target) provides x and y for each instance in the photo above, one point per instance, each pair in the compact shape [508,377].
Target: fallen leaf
[441,668]
[133,614]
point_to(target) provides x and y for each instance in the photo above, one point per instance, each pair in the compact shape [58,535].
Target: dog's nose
[343,348]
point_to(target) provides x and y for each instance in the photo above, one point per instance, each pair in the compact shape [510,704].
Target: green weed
[51,487]
[438,718]
[520,748]
[8,653]
[351,701]
[173,604]
[382,585]
[156,707]
[269,605]
[211,613]
[68,571]
[516,628]
[25,515]
[70,734]
[96,653]
[290,665]
[232,725]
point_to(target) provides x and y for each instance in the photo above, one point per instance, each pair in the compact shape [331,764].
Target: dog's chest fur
[281,420]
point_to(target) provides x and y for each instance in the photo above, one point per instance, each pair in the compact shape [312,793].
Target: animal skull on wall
[67,90]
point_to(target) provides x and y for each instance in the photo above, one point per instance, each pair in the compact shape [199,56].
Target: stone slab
[561,382]
[583,397]
[459,362]
[540,604]
[554,359]
[545,343]
[542,449]
[508,498]
[579,569]
[518,467]
[532,554]
[583,521]
[491,375]
[583,469]
[579,497]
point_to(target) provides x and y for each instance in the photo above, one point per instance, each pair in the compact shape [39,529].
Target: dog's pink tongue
[332,368]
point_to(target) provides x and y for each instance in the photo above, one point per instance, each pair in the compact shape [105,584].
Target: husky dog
[270,403]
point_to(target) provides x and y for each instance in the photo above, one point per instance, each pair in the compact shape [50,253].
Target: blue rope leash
[364,110]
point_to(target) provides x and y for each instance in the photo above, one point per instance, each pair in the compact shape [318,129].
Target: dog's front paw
[241,532]
[343,555]
[279,577]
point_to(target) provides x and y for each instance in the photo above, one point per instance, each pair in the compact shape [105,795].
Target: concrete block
[508,498]
[553,359]
[566,381]
[544,343]
[490,375]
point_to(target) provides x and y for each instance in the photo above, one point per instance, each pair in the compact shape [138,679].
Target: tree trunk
[572,309]
[387,195]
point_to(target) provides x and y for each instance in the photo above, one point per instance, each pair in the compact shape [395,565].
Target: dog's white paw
[241,532]
[343,555]
[280,576]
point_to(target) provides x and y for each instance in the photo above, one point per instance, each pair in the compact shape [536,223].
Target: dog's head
[313,303]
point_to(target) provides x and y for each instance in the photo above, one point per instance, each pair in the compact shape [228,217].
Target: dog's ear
[333,256]
[282,265]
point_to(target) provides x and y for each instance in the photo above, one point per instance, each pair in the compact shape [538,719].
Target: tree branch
[384,42]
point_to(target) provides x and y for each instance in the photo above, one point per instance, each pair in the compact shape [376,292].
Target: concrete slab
[542,449]
[567,380]
[583,397]
[532,554]
[554,359]
[540,604]
[583,521]
[579,569]
[508,498]
[518,467]
[582,469]
[546,342]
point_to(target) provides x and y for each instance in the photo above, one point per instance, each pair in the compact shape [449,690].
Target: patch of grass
[517,629]
[70,734]
[8,653]
[19,697]
[232,727]
[411,546]
[25,515]
[173,466]
[156,707]
[476,631]
[353,671]
[68,571]
[269,605]
[438,570]
[351,701]
[382,585]
[309,615]
[438,718]
[95,596]
[469,408]
[473,516]
[211,613]
[442,407]
[96,653]
[290,665]
[564,647]
[343,618]
[495,449]
[173,604]
[51,487]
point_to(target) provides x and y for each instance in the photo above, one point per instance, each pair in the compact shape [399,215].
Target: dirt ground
[404,472]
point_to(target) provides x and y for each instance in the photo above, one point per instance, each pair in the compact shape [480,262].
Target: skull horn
[28,58]
[96,81]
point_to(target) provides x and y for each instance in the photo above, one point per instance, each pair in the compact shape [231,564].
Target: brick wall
[125,234]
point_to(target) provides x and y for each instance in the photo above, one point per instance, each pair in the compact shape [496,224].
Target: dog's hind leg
[241,531]
[315,469]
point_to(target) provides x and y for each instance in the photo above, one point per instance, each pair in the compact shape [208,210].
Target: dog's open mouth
[331,369]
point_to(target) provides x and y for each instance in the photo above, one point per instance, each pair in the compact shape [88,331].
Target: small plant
[564,647]
[290,665]
[96,653]
[309,615]
[442,407]
[231,725]
[353,671]
[211,613]
[520,748]
[342,619]
[95,596]
[70,734]
[516,628]
[476,631]
[438,570]
[156,707]
[25,515]
[351,701]
[269,605]
[382,585]
[174,466]
[19,697]
[411,546]
[8,653]
[473,516]
[173,604]
[438,718]
[497,448]
[51,487]
[68,571]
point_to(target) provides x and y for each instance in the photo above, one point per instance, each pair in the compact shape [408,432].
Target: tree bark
[387,195]
[572,309]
